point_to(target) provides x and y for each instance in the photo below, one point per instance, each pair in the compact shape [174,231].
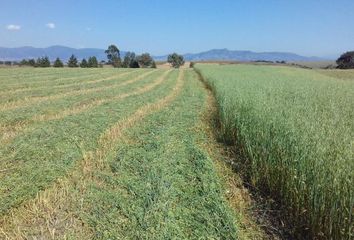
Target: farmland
[107,153]
[131,153]
[293,128]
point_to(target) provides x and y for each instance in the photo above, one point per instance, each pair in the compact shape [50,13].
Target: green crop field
[294,128]
[113,153]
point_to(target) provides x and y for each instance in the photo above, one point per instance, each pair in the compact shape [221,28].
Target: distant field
[295,129]
[107,154]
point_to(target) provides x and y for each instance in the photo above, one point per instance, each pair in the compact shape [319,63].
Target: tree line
[130,60]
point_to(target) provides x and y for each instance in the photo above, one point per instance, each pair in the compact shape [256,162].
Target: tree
[83,63]
[346,60]
[92,62]
[72,61]
[145,60]
[153,65]
[24,62]
[130,60]
[175,60]
[38,62]
[102,63]
[58,63]
[45,62]
[113,56]
[32,62]
[42,62]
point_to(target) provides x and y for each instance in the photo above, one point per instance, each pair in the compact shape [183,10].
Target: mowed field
[107,154]
[294,131]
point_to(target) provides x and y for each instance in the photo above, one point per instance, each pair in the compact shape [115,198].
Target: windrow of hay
[53,214]
[25,89]
[10,132]
[53,78]
[34,100]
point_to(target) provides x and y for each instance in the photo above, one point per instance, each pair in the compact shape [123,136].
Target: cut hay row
[108,139]
[35,100]
[50,149]
[10,132]
[22,73]
[24,82]
[66,85]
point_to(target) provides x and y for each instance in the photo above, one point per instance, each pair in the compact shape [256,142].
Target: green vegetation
[58,63]
[92,62]
[294,128]
[42,62]
[175,60]
[146,61]
[346,61]
[30,62]
[110,153]
[56,143]
[160,184]
[73,63]
[84,63]
[113,56]
[130,60]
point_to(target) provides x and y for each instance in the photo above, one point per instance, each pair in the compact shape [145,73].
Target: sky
[306,27]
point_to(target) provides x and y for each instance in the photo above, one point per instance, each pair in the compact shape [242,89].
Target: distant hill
[230,55]
[16,54]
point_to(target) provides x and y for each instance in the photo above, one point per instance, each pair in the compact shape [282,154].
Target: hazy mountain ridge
[231,55]
[16,54]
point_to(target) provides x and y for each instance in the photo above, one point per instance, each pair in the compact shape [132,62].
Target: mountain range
[17,54]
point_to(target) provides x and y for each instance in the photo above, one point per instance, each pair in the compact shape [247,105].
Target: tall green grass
[295,129]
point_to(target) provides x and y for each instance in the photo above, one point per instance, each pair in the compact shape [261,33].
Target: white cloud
[13,27]
[50,25]
[88,29]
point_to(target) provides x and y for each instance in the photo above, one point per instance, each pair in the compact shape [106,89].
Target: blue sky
[312,27]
